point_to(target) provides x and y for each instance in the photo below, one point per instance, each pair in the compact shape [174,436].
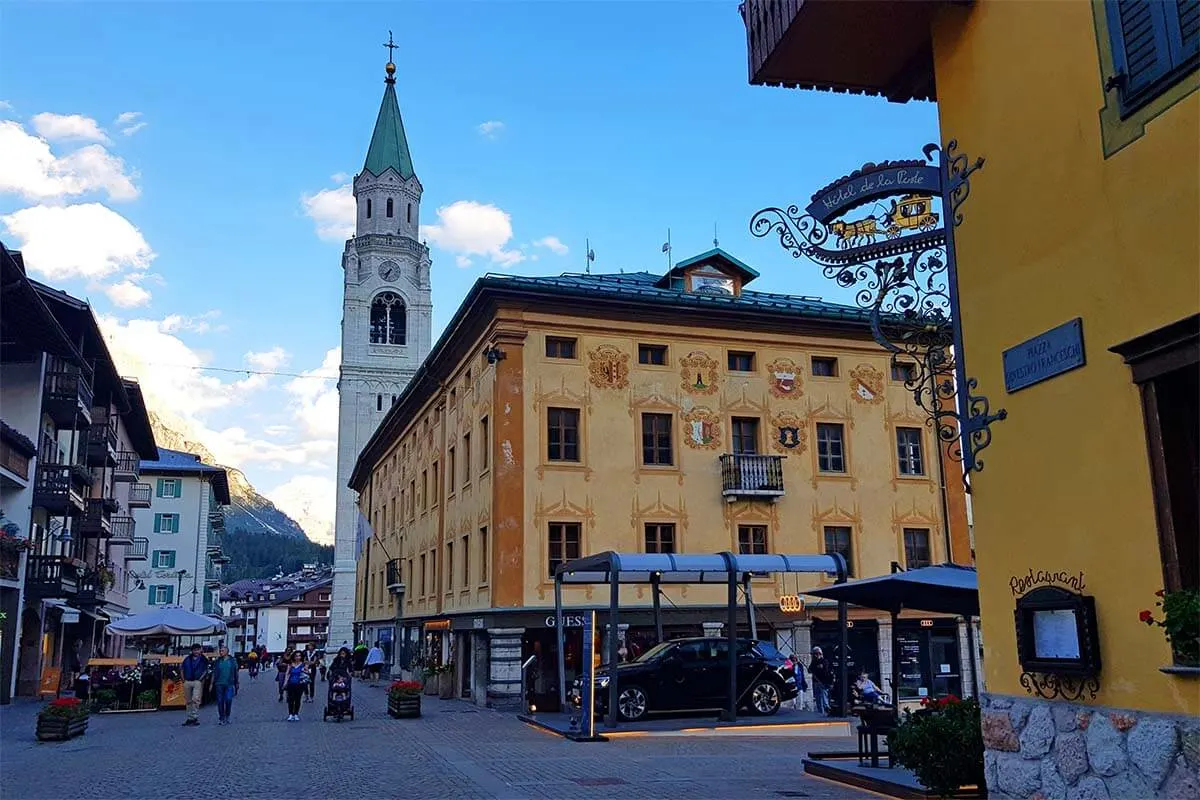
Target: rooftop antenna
[591,256]
[666,248]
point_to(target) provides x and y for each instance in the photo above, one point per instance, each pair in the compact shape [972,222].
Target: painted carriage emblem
[703,429]
[791,434]
[608,367]
[785,378]
[699,373]
[910,212]
[866,384]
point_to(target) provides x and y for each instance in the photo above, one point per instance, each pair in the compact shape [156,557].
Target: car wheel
[631,703]
[765,698]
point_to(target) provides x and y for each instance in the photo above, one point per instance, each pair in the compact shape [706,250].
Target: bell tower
[386,322]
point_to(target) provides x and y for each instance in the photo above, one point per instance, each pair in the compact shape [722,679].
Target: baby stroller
[338,704]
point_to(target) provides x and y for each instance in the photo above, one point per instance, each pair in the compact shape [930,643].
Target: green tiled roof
[389,147]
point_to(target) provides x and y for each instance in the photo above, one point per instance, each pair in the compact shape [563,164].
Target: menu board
[909,656]
[1055,634]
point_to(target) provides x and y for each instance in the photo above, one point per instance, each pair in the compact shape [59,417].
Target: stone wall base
[1050,750]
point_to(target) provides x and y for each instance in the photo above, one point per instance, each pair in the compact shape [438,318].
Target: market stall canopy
[685,568]
[944,589]
[166,621]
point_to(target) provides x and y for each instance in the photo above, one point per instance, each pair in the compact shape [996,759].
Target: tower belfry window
[388,320]
[389,207]
[409,213]
[368,208]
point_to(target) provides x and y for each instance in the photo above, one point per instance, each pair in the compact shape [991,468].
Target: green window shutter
[1150,38]
[158,523]
[159,490]
[170,555]
[174,523]
[154,558]
[170,595]
[153,592]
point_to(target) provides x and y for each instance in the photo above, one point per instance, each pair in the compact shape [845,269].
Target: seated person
[867,690]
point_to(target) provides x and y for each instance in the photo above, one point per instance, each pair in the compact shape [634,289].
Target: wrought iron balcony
[67,396]
[395,582]
[128,467]
[138,550]
[751,476]
[139,495]
[102,443]
[59,488]
[90,590]
[50,577]
[121,529]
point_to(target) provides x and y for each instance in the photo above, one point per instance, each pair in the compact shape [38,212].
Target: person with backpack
[297,684]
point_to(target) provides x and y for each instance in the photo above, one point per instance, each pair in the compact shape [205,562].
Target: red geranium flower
[1160,593]
[1146,617]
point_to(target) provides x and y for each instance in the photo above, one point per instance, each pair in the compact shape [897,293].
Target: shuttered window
[1154,43]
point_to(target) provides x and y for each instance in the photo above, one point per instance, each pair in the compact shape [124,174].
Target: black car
[693,674]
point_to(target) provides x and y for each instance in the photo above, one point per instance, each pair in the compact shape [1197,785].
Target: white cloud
[29,168]
[127,294]
[340,177]
[6,106]
[130,122]
[68,126]
[310,500]
[553,244]
[88,240]
[467,228]
[269,360]
[203,323]
[491,129]
[315,397]
[333,211]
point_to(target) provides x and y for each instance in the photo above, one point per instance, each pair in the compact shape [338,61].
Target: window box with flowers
[1181,625]
[62,719]
[404,699]
[12,544]
[943,745]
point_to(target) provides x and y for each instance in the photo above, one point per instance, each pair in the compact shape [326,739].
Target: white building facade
[183,526]
[387,315]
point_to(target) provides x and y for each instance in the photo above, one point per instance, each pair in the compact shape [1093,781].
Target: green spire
[389,147]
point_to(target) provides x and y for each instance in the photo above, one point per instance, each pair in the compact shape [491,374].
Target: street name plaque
[1046,355]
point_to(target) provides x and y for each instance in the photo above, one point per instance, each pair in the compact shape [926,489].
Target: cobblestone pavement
[454,750]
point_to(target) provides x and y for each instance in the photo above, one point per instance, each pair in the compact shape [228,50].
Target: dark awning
[945,589]
[684,568]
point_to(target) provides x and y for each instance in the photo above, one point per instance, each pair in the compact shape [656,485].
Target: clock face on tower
[389,270]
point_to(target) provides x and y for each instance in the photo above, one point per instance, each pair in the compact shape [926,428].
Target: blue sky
[617,121]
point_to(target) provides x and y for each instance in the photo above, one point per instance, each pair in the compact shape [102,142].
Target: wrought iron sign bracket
[1050,686]
[900,261]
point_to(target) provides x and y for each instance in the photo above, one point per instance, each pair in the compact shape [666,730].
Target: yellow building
[563,416]
[1087,210]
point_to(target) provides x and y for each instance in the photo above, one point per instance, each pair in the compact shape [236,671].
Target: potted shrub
[1180,624]
[446,681]
[62,718]
[103,699]
[942,744]
[148,699]
[404,699]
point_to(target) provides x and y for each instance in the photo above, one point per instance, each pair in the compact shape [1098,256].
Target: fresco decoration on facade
[866,384]
[784,378]
[608,367]
[699,373]
[790,433]
[702,429]
[906,282]
[658,511]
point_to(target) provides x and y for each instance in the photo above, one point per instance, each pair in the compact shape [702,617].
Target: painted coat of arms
[608,367]
[791,435]
[866,384]
[702,429]
[784,378]
[699,373]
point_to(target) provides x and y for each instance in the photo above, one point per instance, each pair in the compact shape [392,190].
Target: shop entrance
[929,663]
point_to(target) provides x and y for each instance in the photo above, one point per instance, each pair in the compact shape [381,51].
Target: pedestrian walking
[310,663]
[281,668]
[297,681]
[822,679]
[194,669]
[360,659]
[252,664]
[225,680]
[375,663]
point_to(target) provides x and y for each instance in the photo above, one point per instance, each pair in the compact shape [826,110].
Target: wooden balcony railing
[50,577]
[67,396]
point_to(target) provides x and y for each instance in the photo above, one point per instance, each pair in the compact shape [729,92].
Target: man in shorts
[375,663]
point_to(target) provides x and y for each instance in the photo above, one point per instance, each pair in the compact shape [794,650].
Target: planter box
[404,707]
[446,685]
[431,685]
[60,728]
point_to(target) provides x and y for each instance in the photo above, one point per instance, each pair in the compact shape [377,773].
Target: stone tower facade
[386,323]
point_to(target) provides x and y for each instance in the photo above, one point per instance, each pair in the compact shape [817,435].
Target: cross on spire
[390,46]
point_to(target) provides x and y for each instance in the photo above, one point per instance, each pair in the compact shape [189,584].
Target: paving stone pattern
[454,750]
[1063,751]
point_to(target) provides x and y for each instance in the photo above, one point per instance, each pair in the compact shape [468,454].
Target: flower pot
[405,707]
[431,685]
[446,685]
[56,728]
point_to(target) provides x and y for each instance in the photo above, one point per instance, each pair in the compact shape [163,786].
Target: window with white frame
[170,487]
[164,559]
[908,448]
[166,523]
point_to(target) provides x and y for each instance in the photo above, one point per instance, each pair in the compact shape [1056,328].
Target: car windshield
[769,651]
[655,652]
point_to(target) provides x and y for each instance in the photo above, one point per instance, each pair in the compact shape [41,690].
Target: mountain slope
[249,511]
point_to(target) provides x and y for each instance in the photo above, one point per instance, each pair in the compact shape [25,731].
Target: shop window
[560,347]
[1154,44]
[564,543]
[744,431]
[562,434]
[824,367]
[916,548]
[831,447]
[908,447]
[653,354]
[660,537]
[752,540]
[740,361]
[838,539]
[1165,368]
[657,447]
